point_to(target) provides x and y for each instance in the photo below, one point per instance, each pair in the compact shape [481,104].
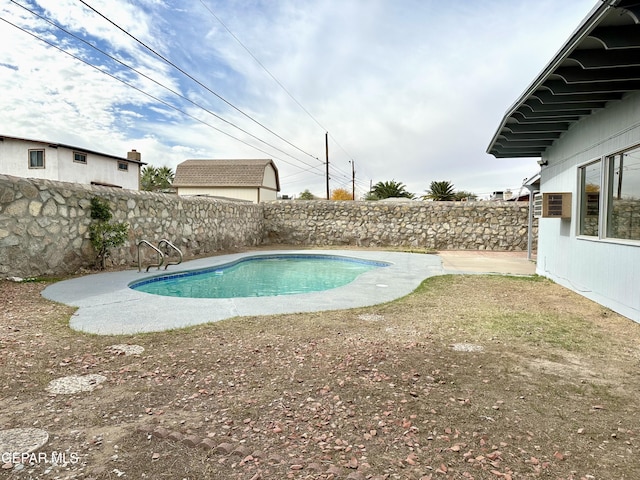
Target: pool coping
[107,306]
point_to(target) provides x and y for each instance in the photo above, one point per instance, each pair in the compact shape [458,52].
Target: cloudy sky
[408,90]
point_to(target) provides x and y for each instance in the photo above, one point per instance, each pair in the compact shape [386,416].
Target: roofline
[269,161]
[587,25]
[71,147]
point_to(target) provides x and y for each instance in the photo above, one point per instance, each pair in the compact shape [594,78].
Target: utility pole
[326,147]
[353,180]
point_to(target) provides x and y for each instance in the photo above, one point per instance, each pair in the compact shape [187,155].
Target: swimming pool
[107,306]
[261,276]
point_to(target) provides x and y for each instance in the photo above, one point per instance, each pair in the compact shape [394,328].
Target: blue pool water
[261,276]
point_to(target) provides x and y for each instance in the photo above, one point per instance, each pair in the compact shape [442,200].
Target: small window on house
[36,158]
[123,166]
[79,157]
[623,195]
[590,187]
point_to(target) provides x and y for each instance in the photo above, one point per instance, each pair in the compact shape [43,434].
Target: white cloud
[412,90]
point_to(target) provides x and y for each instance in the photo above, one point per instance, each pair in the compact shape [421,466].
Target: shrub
[103,233]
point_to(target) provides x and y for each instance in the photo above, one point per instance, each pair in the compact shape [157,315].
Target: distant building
[253,180]
[23,157]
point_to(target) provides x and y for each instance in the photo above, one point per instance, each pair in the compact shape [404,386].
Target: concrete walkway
[107,306]
[465,261]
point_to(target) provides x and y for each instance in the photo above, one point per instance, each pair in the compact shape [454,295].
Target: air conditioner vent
[556,205]
[537,205]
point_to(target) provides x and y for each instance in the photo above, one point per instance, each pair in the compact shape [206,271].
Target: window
[123,166]
[590,180]
[623,195]
[36,158]
[80,157]
[610,196]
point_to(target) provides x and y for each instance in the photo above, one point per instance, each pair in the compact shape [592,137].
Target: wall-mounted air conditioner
[556,205]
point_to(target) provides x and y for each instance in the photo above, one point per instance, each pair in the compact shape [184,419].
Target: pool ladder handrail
[166,242]
[158,251]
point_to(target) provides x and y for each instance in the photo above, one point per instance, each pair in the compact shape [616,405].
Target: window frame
[604,213]
[122,164]
[583,200]
[75,160]
[37,167]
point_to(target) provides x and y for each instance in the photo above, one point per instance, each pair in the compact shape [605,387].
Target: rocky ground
[470,377]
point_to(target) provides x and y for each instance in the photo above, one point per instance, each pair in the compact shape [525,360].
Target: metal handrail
[171,245]
[160,255]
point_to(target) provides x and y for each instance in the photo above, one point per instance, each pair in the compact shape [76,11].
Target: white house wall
[606,271]
[237,193]
[59,165]
[267,195]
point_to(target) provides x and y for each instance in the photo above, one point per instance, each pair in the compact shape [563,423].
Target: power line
[191,77]
[159,84]
[274,78]
[145,93]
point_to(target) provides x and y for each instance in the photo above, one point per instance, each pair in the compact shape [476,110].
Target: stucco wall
[59,165]
[436,225]
[44,224]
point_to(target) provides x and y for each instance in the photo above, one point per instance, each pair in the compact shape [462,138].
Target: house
[23,157]
[253,180]
[581,117]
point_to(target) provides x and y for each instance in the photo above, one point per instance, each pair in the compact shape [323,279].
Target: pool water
[261,276]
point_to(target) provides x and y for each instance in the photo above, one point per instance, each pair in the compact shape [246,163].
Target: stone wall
[434,225]
[44,224]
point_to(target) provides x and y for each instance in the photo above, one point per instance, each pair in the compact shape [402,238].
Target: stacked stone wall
[433,225]
[44,225]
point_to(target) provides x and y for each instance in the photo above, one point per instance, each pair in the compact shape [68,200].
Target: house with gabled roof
[581,117]
[254,180]
[28,158]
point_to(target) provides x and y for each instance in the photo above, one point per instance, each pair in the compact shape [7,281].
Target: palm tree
[155,179]
[164,177]
[389,189]
[440,191]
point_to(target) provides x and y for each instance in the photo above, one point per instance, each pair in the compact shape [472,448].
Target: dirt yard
[469,377]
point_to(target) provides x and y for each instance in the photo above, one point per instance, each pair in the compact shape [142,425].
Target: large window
[610,197]
[590,180]
[36,158]
[623,195]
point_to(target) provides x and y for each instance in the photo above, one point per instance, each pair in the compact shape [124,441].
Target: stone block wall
[44,224]
[433,225]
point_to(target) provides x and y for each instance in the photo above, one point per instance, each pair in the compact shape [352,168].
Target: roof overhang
[599,64]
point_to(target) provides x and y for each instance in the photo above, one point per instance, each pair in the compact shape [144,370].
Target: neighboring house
[581,116]
[23,157]
[253,180]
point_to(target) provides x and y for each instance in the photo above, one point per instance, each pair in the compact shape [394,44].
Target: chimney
[133,155]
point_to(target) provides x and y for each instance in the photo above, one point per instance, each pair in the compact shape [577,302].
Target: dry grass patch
[550,391]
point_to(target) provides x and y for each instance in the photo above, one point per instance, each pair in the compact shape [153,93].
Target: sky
[405,90]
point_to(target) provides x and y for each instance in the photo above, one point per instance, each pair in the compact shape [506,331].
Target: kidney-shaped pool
[108,305]
[261,276]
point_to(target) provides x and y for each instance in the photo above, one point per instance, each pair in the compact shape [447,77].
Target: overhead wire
[275,79]
[142,74]
[167,104]
[191,77]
